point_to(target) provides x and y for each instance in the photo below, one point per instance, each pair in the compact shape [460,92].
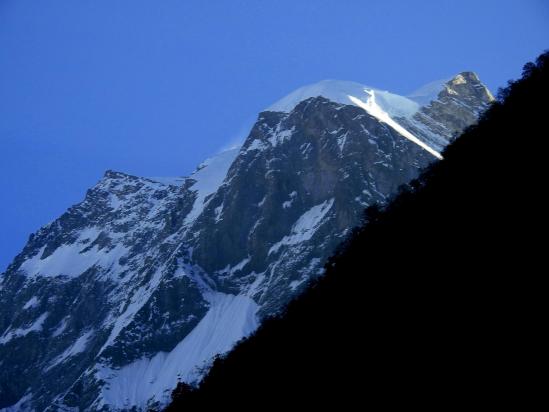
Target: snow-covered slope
[149,380]
[207,179]
[144,281]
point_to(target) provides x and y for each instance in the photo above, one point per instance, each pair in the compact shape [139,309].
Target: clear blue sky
[153,87]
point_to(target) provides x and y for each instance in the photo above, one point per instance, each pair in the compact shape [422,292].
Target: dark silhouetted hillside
[432,302]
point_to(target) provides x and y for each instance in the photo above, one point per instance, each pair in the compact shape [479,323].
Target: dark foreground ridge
[430,303]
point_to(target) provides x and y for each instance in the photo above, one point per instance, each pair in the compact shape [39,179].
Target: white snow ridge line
[373,109]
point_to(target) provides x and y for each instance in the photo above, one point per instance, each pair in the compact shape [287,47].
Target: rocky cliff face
[298,185]
[142,283]
[458,103]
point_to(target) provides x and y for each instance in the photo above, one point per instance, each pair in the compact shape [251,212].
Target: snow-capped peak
[383,105]
[152,260]
[339,91]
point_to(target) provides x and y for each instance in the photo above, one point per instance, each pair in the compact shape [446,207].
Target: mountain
[141,284]
[435,302]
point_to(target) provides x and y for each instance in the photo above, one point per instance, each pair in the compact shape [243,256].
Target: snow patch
[239,266]
[255,145]
[288,203]
[279,135]
[77,347]
[60,328]
[32,303]
[305,227]
[208,177]
[69,260]
[341,140]
[218,210]
[35,326]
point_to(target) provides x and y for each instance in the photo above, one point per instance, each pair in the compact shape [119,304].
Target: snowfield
[147,381]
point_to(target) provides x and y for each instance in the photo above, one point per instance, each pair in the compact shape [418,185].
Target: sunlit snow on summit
[373,109]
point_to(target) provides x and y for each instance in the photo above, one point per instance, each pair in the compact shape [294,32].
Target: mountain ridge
[124,278]
[434,301]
